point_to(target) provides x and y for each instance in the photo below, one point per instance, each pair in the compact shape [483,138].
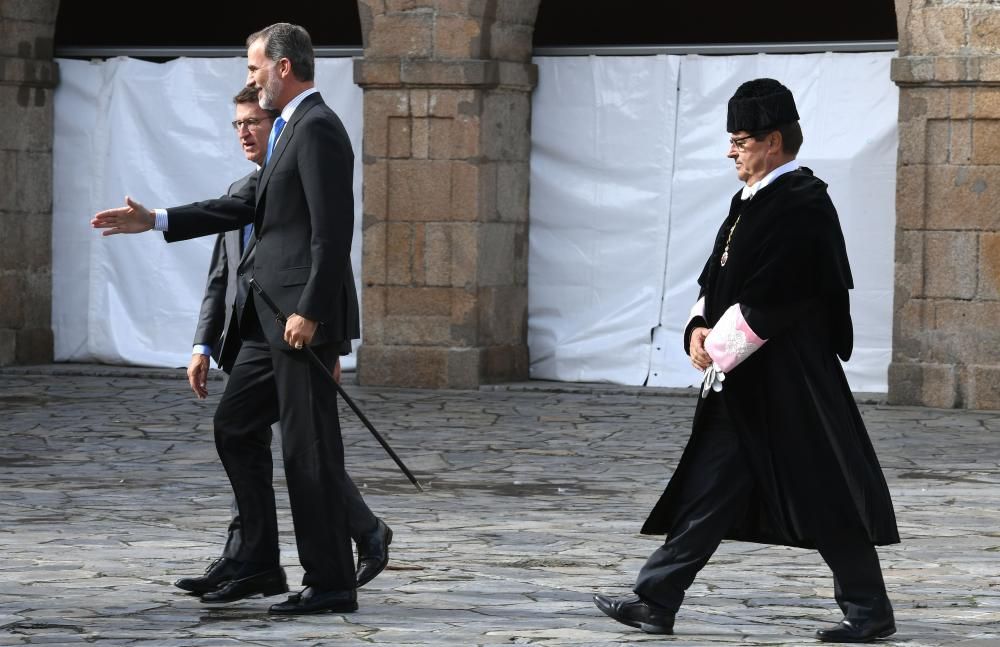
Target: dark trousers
[360,519]
[716,495]
[266,385]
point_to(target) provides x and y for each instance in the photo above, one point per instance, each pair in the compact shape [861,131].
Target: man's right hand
[130,219]
[700,358]
[198,375]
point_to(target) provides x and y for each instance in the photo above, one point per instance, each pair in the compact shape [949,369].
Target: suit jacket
[302,207]
[220,292]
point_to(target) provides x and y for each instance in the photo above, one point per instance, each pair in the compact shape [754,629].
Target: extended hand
[198,375]
[130,219]
[299,331]
[700,358]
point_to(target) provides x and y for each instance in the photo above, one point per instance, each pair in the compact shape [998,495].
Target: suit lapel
[284,141]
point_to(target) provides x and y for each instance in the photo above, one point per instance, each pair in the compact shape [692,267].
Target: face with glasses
[253,126]
[752,153]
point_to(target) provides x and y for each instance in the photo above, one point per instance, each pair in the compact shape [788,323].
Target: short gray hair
[285,40]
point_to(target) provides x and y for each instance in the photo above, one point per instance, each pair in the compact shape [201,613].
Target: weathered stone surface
[113,489]
[986,141]
[419,190]
[418,301]
[505,317]
[34,345]
[374,238]
[984,30]
[952,267]
[910,328]
[911,191]
[28,113]
[936,30]
[458,36]
[983,388]
[26,38]
[404,34]
[963,197]
[934,385]
[13,298]
[399,365]
[399,253]
[989,266]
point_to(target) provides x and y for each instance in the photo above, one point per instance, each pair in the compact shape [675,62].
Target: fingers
[299,331]
[197,373]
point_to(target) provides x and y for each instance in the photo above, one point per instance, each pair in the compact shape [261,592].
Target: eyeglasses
[740,142]
[252,122]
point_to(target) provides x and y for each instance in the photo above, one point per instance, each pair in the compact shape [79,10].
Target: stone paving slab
[110,488]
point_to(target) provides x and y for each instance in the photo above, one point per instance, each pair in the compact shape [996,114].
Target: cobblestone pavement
[110,488]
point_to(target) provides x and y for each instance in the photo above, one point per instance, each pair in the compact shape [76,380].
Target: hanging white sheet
[161,134]
[601,161]
[848,106]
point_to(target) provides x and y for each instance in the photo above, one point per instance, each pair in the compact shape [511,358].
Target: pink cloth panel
[732,340]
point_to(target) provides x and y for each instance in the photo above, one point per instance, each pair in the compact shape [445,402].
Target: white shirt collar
[286,112]
[750,190]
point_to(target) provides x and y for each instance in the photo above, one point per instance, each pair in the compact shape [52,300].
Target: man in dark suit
[301,207]
[217,335]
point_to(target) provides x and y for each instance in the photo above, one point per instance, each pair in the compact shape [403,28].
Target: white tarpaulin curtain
[629,182]
[159,133]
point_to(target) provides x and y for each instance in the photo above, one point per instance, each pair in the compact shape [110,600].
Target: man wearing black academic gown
[778,453]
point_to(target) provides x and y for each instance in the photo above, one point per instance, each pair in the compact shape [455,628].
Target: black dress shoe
[373,553]
[265,583]
[854,631]
[636,612]
[219,571]
[313,600]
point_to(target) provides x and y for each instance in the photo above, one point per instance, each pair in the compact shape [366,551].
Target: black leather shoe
[635,612]
[219,571]
[373,553]
[853,631]
[313,600]
[265,583]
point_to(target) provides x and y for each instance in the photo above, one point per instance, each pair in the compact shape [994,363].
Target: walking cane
[280,316]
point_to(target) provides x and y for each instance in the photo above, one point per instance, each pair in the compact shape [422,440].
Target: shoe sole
[340,609]
[885,633]
[264,593]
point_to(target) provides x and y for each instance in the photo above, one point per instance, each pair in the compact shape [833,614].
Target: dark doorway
[671,22]
[202,23]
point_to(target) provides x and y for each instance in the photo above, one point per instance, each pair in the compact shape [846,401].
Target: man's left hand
[299,331]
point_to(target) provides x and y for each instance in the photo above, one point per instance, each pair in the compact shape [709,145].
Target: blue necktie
[279,123]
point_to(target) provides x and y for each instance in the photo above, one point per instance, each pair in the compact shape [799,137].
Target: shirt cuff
[161,219]
[202,349]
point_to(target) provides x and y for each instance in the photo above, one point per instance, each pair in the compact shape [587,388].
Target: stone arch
[28,77]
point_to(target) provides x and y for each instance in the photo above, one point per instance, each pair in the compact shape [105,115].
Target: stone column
[946,323]
[447,110]
[28,76]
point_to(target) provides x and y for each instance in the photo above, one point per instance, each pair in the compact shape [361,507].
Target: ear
[776,143]
[284,68]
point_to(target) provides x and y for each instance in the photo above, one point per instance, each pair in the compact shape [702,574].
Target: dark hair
[247,95]
[285,40]
[791,136]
